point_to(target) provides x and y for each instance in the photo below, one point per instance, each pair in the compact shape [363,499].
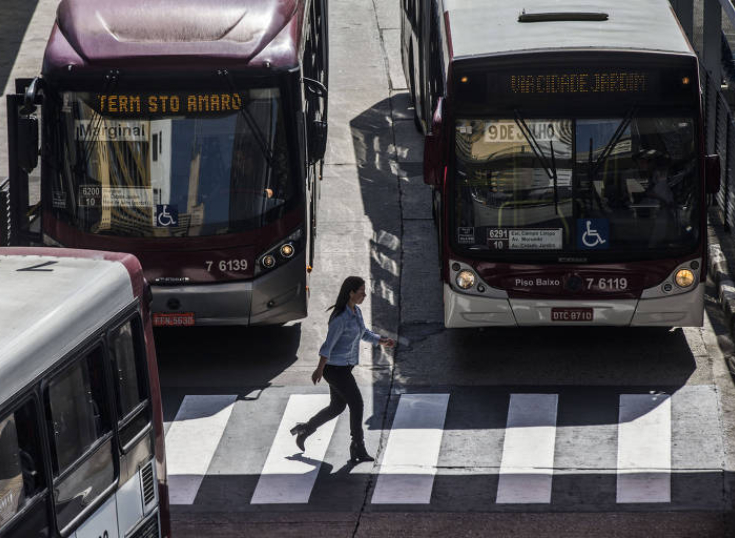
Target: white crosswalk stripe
[644,449]
[539,452]
[288,477]
[528,452]
[409,464]
[191,442]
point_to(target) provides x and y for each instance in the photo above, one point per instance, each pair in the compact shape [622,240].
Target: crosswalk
[478,448]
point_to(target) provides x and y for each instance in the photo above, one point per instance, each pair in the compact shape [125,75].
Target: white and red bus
[565,152]
[190,134]
[81,425]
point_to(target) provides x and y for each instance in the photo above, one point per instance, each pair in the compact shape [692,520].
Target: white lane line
[288,476]
[527,465]
[192,440]
[644,448]
[412,453]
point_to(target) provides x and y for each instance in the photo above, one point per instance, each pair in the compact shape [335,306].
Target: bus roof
[51,300]
[186,34]
[491,27]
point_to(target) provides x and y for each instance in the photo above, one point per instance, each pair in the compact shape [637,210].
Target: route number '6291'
[227,265]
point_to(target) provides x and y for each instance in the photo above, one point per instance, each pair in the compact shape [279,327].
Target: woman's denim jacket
[342,346]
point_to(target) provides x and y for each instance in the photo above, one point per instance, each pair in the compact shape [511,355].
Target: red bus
[81,424]
[565,153]
[190,134]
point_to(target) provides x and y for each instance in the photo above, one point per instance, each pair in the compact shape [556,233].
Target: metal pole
[18,178]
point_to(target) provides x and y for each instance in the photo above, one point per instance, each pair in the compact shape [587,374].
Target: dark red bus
[189,133]
[565,152]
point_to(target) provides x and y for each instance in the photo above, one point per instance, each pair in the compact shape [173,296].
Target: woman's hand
[316,376]
[386,342]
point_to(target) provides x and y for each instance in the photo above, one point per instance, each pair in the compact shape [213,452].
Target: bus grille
[149,529]
[149,483]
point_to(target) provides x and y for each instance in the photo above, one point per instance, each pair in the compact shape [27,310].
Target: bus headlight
[684,278]
[281,252]
[465,279]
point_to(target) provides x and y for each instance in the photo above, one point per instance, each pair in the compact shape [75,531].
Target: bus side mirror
[434,147]
[712,172]
[317,99]
[27,148]
[318,141]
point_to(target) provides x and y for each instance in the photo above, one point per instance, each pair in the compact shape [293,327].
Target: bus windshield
[173,165]
[623,185]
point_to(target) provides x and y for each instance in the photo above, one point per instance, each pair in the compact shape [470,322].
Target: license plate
[571,314]
[183,319]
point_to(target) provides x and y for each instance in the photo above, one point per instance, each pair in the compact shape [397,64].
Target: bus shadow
[217,358]
[16,16]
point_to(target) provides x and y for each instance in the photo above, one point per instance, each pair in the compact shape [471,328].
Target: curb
[717,265]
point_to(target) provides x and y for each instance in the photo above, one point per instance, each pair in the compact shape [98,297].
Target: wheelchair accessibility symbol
[167,215]
[593,234]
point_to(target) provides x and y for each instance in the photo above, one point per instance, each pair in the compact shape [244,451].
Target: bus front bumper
[680,310]
[272,299]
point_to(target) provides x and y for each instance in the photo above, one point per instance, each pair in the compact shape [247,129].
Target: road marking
[527,465]
[412,452]
[644,448]
[192,440]
[288,476]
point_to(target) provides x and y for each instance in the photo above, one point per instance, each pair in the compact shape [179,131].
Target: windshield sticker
[466,236]
[88,196]
[593,234]
[541,179]
[110,131]
[525,239]
[509,131]
[58,199]
[127,197]
[166,215]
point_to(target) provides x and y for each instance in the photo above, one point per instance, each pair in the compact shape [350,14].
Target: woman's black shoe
[358,452]
[301,431]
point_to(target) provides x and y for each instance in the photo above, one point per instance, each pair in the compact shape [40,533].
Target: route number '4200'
[607,284]
[227,265]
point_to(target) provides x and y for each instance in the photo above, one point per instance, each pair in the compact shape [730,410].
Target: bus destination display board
[580,86]
[603,82]
[166,104]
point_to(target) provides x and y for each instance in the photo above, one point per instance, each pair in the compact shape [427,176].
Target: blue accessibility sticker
[167,215]
[593,234]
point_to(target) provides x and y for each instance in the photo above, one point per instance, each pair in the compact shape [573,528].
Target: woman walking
[337,357]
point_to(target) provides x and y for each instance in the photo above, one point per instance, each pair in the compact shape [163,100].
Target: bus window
[132,392]
[21,474]
[81,436]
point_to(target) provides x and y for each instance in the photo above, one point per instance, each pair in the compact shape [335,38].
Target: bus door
[315,78]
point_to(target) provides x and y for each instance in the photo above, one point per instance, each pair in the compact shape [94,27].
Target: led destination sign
[156,104]
[577,83]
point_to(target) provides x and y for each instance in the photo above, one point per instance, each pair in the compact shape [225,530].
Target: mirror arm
[30,97]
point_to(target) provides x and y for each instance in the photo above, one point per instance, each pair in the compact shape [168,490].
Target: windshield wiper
[81,168]
[611,144]
[248,117]
[549,167]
